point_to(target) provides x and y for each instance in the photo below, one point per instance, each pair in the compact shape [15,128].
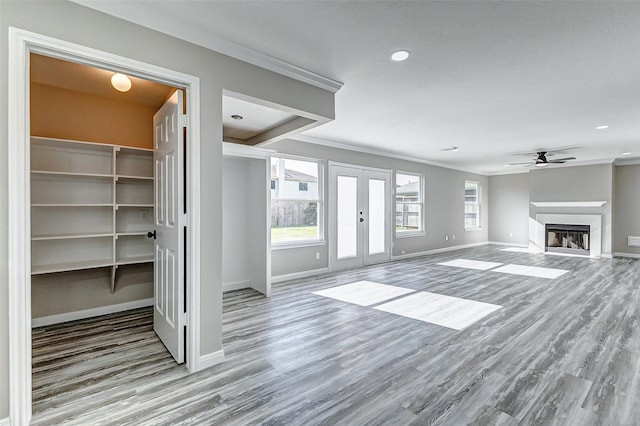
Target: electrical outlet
[317,255]
[510,234]
[144,215]
[446,238]
[454,237]
[402,252]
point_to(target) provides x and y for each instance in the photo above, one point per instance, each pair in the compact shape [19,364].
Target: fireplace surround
[538,237]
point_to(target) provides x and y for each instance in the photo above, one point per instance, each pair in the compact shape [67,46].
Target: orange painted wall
[67,114]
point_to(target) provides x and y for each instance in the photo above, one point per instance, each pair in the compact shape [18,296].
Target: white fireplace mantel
[537,232]
[568,203]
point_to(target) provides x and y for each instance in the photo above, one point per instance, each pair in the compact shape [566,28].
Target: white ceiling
[493,78]
[256,119]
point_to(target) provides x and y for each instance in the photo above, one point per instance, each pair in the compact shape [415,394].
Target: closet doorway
[83,203]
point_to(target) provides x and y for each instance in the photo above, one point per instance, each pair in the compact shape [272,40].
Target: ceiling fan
[541,160]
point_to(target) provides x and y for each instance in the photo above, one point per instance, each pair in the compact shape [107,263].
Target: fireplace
[570,239]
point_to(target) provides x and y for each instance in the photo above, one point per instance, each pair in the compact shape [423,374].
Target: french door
[360,215]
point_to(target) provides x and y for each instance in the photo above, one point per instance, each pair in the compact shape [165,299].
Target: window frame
[410,233]
[309,242]
[478,203]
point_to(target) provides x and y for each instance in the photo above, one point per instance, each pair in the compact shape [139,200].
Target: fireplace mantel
[568,203]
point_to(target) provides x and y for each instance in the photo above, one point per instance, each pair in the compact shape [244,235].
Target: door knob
[361,219]
[151,234]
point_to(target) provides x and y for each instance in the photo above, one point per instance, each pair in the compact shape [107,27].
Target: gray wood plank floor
[563,351]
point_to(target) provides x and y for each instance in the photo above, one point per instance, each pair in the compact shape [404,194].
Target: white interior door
[169,317]
[360,216]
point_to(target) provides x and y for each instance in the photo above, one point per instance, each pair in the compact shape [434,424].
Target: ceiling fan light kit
[542,161]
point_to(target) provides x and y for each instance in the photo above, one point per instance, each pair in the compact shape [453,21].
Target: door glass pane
[376,216]
[347,216]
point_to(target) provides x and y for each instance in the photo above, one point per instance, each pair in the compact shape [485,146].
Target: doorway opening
[56,187]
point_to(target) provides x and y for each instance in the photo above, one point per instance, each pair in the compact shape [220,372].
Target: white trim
[236,285]
[21,44]
[607,255]
[299,244]
[376,151]
[629,162]
[89,313]
[155,19]
[631,255]
[5,422]
[501,243]
[236,150]
[439,250]
[209,360]
[568,203]
[298,275]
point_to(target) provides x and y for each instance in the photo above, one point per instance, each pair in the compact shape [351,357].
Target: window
[409,200]
[296,201]
[471,205]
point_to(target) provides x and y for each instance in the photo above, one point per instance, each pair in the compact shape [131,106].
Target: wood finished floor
[563,351]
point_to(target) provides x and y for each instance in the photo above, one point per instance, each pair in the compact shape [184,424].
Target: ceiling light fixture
[120,82]
[626,153]
[452,149]
[400,55]
[237,117]
[542,164]
[603,127]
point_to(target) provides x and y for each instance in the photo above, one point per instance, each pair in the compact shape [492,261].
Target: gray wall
[579,183]
[444,206]
[74,23]
[509,208]
[626,207]
[235,216]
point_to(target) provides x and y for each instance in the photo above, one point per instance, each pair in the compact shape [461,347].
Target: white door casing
[168,280]
[360,215]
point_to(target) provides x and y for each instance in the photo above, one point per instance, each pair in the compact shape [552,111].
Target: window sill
[473,229]
[297,244]
[400,235]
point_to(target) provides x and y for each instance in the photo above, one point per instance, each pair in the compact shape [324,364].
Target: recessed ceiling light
[237,117]
[626,153]
[120,82]
[604,126]
[400,55]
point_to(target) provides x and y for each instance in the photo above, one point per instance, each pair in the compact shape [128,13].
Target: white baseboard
[440,250]
[606,255]
[296,275]
[5,422]
[632,255]
[210,360]
[501,243]
[88,313]
[236,285]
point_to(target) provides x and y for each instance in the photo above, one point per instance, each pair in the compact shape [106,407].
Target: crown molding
[141,13]
[629,162]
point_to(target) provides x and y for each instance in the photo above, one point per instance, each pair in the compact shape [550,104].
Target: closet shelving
[92,206]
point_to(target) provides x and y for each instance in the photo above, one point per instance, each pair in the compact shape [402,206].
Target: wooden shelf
[77,174]
[74,175]
[72,205]
[70,266]
[133,178]
[69,236]
[133,205]
[135,259]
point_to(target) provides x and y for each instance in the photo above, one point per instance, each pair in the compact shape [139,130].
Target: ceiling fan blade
[519,164]
[562,160]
